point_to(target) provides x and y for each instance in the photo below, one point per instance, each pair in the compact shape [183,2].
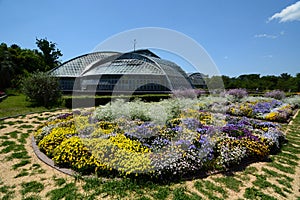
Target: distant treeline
[256,82]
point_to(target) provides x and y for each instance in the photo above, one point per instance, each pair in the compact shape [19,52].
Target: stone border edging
[3,97]
[294,116]
[47,160]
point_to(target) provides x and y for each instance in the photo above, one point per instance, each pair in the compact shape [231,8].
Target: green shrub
[42,89]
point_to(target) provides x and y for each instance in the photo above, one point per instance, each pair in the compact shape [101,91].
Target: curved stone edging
[3,97]
[47,160]
[294,116]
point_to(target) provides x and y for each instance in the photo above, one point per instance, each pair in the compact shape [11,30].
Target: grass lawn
[16,104]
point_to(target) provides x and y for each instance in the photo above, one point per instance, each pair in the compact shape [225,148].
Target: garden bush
[238,93]
[42,89]
[276,94]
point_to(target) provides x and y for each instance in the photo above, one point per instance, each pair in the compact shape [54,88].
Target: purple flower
[177,128]
[202,130]
[76,112]
[244,121]
[187,93]
[64,116]
[191,123]
[184,144]
[265,125]
[203,140]
[265,107]
[236,130]
[93,120]
[262,107]
[144,133]
[276,94]
[250,136]
[238,93]
[160,142]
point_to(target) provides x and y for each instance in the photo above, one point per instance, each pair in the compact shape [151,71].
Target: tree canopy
[16,62]
[50,53]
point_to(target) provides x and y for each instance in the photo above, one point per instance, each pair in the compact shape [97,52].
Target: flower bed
[172,137]
[253,107]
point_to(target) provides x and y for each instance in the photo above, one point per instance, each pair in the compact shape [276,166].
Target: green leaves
[42,89]
[50,53]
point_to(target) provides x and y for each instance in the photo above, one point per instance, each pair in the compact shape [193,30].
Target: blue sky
[241,37]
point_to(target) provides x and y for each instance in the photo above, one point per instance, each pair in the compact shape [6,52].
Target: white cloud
[290,13]
[264,35]
[269,36]
[268,56]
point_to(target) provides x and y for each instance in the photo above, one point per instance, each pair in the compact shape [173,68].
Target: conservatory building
[197,79]
[139,71]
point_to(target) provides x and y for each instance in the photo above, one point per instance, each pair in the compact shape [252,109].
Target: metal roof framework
[139,63]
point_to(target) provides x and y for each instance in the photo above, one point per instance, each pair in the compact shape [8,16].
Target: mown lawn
[16,104]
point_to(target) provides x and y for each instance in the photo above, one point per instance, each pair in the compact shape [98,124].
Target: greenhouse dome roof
[107,68]
[136,62]
[75,66]
[128,63]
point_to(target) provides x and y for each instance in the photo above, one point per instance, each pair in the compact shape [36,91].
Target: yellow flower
[272,116]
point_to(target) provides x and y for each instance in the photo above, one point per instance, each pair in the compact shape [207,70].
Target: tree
[29,61]
[42,89]
[227,81]
[7,67]
[49,52]
[286,83]
[16,62]
[269,82]
[298,81]
[249,81]
[285,76]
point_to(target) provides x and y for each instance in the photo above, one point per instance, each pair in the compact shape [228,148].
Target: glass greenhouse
[197,79]
[140,71]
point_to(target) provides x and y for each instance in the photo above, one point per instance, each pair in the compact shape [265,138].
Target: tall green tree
[269,82]
[7,66]
[49,52]
[286,83]
[227,81]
